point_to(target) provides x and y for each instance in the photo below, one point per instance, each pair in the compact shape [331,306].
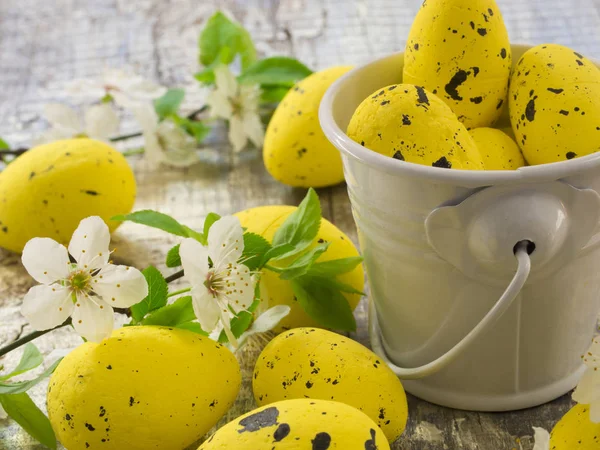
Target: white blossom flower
[86,289]
[124,87]
[224,288]
[99,122]
[164,141]
[588,389]
[542,439]
[237,103]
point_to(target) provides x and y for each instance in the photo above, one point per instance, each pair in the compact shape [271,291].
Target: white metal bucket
[438,248]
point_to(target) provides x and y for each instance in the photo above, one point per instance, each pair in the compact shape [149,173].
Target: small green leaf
[194,327]
[238,325]
[222,39]
[169,103]
[303,264]
[154,219]
[343,287]
[195,128]
[301,226]
[275,71]
[22,410]
[157,294]
[179,312]
[255,248]
[276,252]
[30,360]
[211,218]
[335,266]
[321,300]
[4,145]
[173,258]
[273,94]
[23,386]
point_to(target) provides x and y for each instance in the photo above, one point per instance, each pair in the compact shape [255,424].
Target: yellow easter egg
[554,104]
[144,387]
[409,123]
[498,150]
[329,366]
[459,50]
[575,431]
[48,190]
[265,220]
[295,151]
[301,424]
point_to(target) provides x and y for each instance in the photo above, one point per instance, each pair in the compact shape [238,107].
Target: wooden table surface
[43,45]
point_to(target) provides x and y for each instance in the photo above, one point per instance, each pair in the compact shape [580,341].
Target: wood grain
[44,45]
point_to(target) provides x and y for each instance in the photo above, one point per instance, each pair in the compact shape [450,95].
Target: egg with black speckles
[296,151]
[301,424]
[554,104]
[576,431]
[397,121]
[144,387]
[320,364]
[48,190]
[265,221]
[498,150]
[459,50]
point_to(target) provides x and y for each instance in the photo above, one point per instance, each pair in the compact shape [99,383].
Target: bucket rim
[352,149]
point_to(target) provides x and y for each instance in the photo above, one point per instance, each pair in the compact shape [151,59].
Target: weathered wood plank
[43,45]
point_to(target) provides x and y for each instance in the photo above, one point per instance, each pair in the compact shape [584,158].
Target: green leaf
[194,327]
[169,103]
[222,39]
[343,287]
[155,219]
[255,248]
[335,266]
[177,314]
[301,227]
[173,258]
[4,145]
[211,218]
[275,71]
[273,94]
[23,386]
[303,264]
[157,294]
[22,410]
[238,324]
[198,130]
[276,252]
[321,300]
[30,360]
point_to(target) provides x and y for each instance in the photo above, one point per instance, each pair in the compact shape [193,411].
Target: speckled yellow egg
[575,431]
[459,50]
[313,363]
[409,123]
[265,220]
[554,104]
[144,387]
[498,150]
[296,151]
[301,424]
[48,190]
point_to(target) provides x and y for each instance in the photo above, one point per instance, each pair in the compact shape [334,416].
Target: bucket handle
[522,251]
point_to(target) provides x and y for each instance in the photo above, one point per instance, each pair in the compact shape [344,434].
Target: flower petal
[46,307]
[101,122]
[46,260]
[253,128]
[237,135]
[219,105]
[54,134]
[194,259]
[225,241]
[225,81]
[205,307]
[240,294]
[542,439]
[146,116]
[92,319]
[62,116]
[89,243]
[120,286]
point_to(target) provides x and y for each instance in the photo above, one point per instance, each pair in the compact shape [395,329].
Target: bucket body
[438,246]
